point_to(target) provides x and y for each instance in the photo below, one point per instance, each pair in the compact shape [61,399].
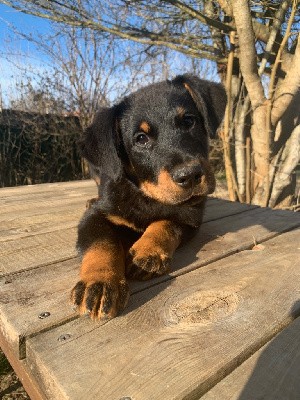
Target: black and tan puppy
[149,155]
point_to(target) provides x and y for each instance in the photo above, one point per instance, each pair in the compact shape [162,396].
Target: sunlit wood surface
[222,325]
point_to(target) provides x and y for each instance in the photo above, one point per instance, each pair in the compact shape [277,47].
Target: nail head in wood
[64,337]
[44,314]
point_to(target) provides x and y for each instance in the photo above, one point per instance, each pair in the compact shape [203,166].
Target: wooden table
[222,325]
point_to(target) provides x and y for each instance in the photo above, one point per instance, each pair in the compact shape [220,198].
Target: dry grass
[10,386]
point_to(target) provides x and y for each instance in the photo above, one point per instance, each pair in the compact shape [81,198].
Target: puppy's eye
[188,121]
[142,139]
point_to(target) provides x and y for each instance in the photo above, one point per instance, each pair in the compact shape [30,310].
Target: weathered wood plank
[40,218]
[32,203]
[24,296]
[22,371]
[47,288]
[34,190]
[16,212]
[38,250]
[224,236]
[178,339]
[50,237]
[272,373]
[50,219]
[219,208]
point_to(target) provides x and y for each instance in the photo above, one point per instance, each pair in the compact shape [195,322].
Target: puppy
[149,157]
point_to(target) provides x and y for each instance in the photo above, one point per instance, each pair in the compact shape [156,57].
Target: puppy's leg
[151,255]
[102,290]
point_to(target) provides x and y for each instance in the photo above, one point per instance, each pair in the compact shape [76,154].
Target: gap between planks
[138,287]
[218,210]
[234,245]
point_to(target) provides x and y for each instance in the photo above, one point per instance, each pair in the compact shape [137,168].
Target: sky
[10,43]
[16,52]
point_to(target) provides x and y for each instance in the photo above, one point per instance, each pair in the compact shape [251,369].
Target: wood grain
[181,334]
[38,250]
[272,373]
[41,189]
[179,338]
[24,296]
[49,235]
[32,203]
[50,279]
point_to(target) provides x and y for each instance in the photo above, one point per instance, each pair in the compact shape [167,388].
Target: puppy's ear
[99,144]
[209,97]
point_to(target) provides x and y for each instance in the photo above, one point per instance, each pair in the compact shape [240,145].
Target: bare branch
[201,17]
[230,176]
[226,7]
[277,22]
[67,13]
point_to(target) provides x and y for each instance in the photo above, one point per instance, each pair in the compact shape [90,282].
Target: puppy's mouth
[186,184]
[191,200]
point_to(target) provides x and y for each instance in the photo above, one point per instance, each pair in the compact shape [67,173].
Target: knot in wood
[201,307]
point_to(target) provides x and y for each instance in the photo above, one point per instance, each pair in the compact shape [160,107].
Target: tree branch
[79,18]
[277,22]
[288,88]
[201,17]
[285,170]
[226,7]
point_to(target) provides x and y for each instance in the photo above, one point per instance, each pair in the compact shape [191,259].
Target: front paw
[101,300]
[145,264]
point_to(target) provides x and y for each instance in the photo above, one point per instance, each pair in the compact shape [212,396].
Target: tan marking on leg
[102,261]
[103,276]
[164,235]
[151,254]
[89,203]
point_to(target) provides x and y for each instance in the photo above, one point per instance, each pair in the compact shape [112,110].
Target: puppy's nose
[187,176]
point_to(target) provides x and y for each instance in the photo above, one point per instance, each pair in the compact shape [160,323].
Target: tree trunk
[260,156]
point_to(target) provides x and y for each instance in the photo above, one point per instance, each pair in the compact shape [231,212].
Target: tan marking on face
[191,92]
[208,181]
[145,127]
[180,111]
[165,190]
[117,220]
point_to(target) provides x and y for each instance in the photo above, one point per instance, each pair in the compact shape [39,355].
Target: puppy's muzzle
[187,176]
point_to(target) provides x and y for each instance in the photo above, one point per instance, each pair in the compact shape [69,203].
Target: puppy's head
[158,138]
